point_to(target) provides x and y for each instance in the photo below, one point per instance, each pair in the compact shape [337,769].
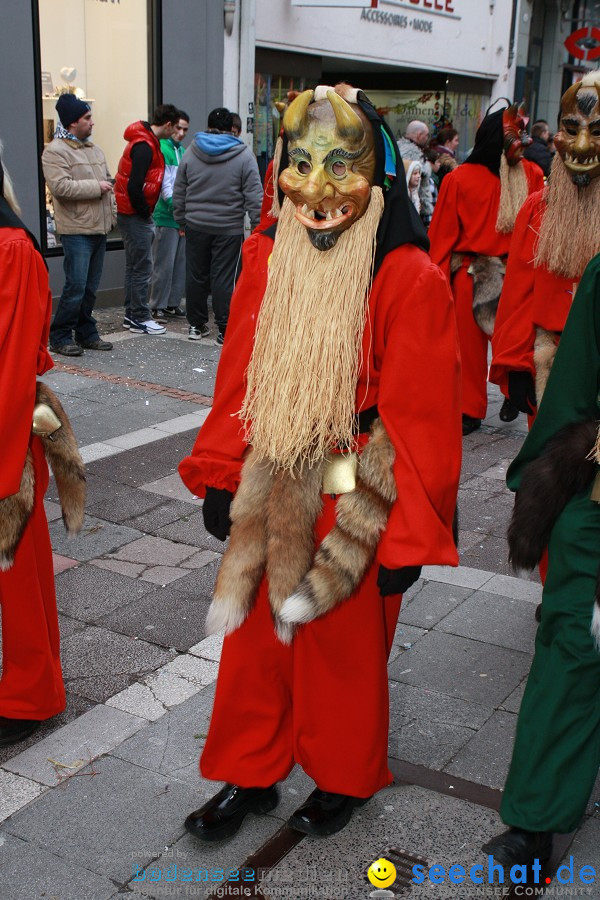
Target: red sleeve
[514,332]
[216,459]
[25,306]
[444,231]
[420,405]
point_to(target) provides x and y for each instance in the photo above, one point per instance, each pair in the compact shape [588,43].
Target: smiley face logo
[381,873]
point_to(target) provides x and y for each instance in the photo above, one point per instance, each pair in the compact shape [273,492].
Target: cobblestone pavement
[92,805]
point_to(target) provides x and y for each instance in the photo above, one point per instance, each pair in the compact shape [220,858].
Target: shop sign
[584,44]
[372,4]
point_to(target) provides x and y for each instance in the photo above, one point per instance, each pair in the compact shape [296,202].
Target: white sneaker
[148,327]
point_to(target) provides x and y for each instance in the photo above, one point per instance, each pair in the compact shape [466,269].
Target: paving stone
[89,592]
[172,745]
[76,706]
[489,553]
[185,423]
[53,510]
[209,648]
[198,671]
[494,619]
[515,588]
[200,559]
[94,733]
[463,668]
[97,450]
[95,538]
[98,663]
[138,700]
[461,576]
[150,550]
[131,570]
[32,872]
[200,582]
[15,793]
[68,626]
[170,486]
[98,822]
[428,728]
[405,637]
[124,503]
[169,511]
[191,530]
[585,848]
[65,382]
[467,539]
[170,689]
[142,466]
[486,757]
[513,701]
[432,602]
[162,575]
[62,563]
[162,616]
[443,829]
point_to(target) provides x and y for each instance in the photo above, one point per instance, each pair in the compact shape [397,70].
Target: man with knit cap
[137,189]
[84,212]
[340,497]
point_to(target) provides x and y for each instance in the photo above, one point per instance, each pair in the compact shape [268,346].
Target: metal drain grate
[403,862]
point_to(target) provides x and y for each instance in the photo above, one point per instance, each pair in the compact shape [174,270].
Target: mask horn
[348,123]
[295,120]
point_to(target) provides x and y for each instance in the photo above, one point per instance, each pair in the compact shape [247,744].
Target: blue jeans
[137,234]
[84,258]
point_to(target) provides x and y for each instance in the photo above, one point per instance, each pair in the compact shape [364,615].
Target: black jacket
[539,153]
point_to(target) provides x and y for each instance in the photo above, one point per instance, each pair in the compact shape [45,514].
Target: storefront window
[98,50]
[270,100]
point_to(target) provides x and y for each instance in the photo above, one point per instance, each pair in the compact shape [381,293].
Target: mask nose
[317,186]
[582,143]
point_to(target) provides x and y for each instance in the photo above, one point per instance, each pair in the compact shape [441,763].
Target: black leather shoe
[517,847]
[469,424]
[324,813]
[14,730]
[222,816]
[508,411]
[96,345]
[69,349]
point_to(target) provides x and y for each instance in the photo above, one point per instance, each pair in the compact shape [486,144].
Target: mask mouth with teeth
[578,140]
[331,167]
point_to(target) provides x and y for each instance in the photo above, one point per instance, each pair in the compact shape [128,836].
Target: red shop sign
[587,35]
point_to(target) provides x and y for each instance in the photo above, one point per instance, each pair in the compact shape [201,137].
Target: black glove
[396,581]
[521,391]
[215,512]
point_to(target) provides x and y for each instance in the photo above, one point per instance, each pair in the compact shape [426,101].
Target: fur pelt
[273,520]
[544,351]
[65,461]
[67,467]
[548,483]
[14,514]
[488,278]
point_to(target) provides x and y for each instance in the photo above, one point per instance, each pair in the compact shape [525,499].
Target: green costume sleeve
[571,394]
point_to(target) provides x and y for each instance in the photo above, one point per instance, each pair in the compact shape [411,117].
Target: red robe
[266,716]
[31,686]
[464,221]
[531,296]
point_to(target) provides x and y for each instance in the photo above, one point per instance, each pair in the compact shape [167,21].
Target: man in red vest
[137,189]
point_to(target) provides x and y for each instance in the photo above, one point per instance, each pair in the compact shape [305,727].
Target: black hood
[489,143]
[400,222]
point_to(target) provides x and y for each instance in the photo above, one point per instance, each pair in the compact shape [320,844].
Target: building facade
[125,57]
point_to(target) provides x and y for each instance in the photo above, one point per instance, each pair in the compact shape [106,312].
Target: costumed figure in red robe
[556,234]
[33,425]
[470,237]
[336,425]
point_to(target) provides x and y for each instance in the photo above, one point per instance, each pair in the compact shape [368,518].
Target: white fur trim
[297,609]
[595,627]
[223,616]
[284,632]
[5,563]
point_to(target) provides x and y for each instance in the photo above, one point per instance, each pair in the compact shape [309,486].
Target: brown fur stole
[67,467]
[548,483]
[544,351]
[273,519]
[488,278]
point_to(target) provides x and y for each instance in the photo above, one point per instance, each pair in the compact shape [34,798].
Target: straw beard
[569,235]
[513,194]
[301,380]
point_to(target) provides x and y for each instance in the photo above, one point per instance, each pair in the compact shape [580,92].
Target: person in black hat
[84,212]
[338,383]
